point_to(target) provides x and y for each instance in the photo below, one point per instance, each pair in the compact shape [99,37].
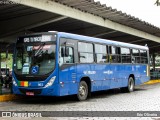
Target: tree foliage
[8,60]
[157,3]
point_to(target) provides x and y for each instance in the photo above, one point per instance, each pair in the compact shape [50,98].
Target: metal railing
[0,87]
[155,75]
[5,90]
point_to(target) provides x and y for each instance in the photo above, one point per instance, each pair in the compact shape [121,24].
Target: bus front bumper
[50,91]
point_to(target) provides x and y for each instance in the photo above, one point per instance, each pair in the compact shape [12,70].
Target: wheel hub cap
[82,90]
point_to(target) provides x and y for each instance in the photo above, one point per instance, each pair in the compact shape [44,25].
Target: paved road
[144,98]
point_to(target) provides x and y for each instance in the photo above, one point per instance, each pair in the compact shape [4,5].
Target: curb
[8,97]
[152,82]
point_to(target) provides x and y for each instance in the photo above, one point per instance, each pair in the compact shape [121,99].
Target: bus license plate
[30,93]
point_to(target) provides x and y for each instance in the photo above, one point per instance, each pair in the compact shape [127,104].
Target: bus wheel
[82,91]
[130,84]
[130,87]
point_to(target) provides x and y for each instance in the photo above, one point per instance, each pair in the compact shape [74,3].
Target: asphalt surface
[144,98]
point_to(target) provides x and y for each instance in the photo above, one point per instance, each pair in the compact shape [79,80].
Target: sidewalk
[152,82]
[6,95]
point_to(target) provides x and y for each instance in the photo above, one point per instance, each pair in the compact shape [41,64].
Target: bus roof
[92,39]
[99,40]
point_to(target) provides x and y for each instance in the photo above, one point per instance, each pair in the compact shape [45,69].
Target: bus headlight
[50,82]
[14,82]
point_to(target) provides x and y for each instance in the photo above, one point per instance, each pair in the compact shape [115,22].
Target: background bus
[59,64]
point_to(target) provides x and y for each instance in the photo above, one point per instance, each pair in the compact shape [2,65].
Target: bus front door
[67,67]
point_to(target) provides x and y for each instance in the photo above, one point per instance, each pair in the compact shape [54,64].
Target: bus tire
[130,87]
[130,84]
[82,91]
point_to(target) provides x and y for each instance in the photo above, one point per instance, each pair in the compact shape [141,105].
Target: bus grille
[36,91]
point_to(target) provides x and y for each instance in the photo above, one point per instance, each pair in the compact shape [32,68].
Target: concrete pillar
[6,59]
[0,74]
[0,61]
[153,58]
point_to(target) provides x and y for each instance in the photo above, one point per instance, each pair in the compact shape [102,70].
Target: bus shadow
[109,93]
[46,100]
[68,99]
[140,89]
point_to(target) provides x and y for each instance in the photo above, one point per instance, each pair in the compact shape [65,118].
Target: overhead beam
[64,10]
[12,37]
[138,41]
[154,46]
[46,22]
[6,46]
[122,36]
[104,33]
[33,25]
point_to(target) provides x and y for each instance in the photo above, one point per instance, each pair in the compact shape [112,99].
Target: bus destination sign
[37,38]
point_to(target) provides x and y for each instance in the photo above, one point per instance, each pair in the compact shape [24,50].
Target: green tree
[157,3]
[8,60]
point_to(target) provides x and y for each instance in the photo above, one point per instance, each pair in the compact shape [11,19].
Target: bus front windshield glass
[35,58]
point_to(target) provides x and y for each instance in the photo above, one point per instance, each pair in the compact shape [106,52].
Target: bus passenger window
[126,55]
[114,54]
[101,53]
[85,51]
[135,56]
[144,59]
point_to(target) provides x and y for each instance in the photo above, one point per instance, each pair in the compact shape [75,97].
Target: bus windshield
[36,58]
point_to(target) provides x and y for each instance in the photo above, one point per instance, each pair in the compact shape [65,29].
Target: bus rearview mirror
[67,52]
[62,52]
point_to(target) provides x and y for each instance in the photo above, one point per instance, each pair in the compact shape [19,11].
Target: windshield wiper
[39,49]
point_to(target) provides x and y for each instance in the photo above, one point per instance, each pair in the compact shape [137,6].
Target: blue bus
[60,64]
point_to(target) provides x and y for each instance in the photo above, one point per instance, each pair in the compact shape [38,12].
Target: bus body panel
[68,81]
[101,81]
[103,76]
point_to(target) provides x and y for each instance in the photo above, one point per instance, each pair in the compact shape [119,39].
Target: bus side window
[85,51]
[135,56]
[143,54]
[101,53]
[115,56]
[66,55]
[126,55]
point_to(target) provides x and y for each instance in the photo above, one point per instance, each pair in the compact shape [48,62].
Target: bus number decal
[108,72]
[89,72]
